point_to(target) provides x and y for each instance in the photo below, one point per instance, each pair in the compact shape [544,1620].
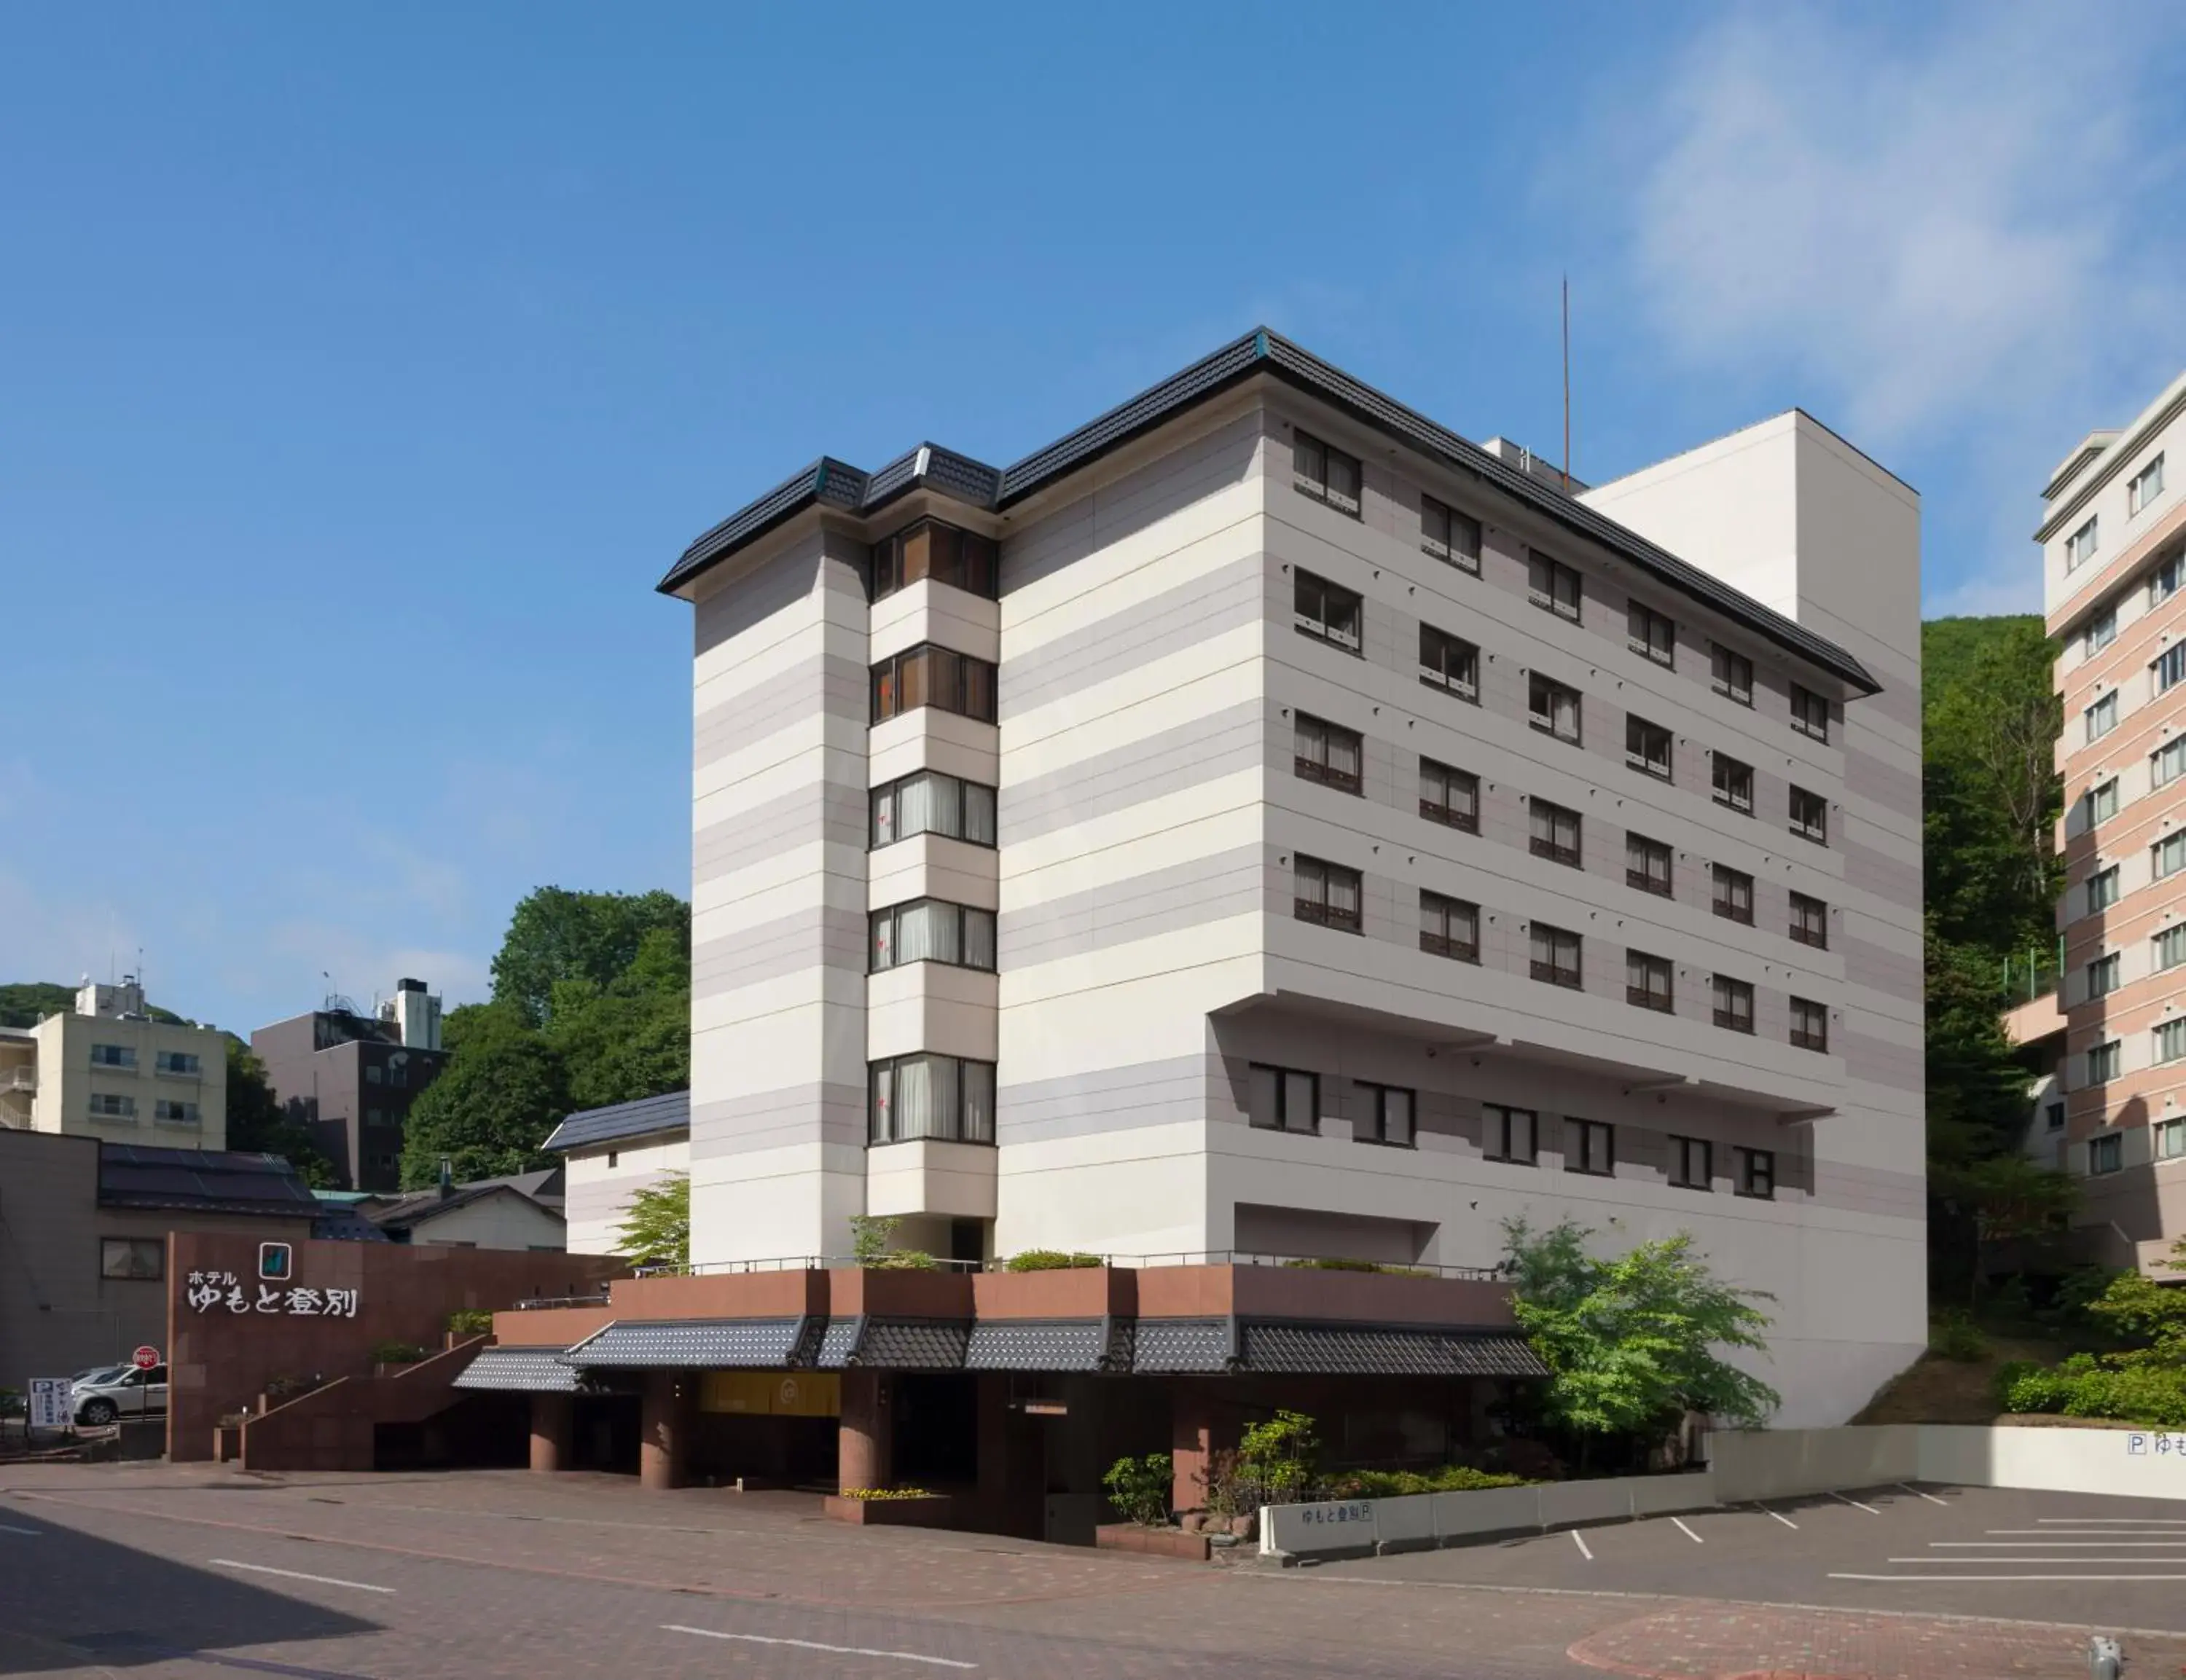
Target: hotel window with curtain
[1449,534]
[933,930]
[944,1098]
[930,549]
[928,802]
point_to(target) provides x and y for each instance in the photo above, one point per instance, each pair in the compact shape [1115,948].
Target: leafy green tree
[492,1105]
[556,936]
[257,1123]
[630,1038]
[657,1230]
[1631,1343]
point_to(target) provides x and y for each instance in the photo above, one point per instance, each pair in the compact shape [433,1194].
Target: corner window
[1810,1025]
[135,1259]
[2103,802]
[1449,534]
[2163,582]
[1447,662]
[2101,718]
[1647,746]
[1327,611]
[2167,762]
[1648,983]
[933,930]
[1553,586]
[1326,893]
[2147,485]
[1449,927]
[927,802]
[1730,674]
[1385,1116]
[113,1056]
[1325,474]
[1652,633]
[1810,816]
[1734,894]
[1553,709]
[1810,922]
[2169,667]
[2080,546]
[945,553]
[2105,1062]
[1590,1147]
[1692,1163]
[2106,1153]
[944,1098]
[1756,1172]
[1509,1135]
[2103,975]
[1328,754]
[932,675]
[1555,955]
[1556,832]
[2168,856]
[2101,632]
[1647,864]
[2170,1041]
[1449,795]
[1283,1099]
[1810,713]
[2170,946]
[1734,1004]
[1733,783]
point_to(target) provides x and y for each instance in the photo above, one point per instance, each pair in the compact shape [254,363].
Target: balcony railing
[1542,848]
[1647,881]
[1803,1039]
[1441,945]
[1312,770]
[1819,938]
[1556,974]
[19,1079]
[1327,915]
[1647,997]
[1451,817]
[1735,1020]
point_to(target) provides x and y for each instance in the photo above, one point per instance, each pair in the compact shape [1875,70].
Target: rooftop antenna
[1567,477]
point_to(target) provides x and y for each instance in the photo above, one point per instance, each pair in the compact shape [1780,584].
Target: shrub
[1278,1461]
[12,1404]
[870,1237]
[1050,1260]
[1140,1488]
[396,1354]
[1340,1264]
[2082,1387]
[1957,1338]
[1444,1479]
[471,1321]
[882,1493]
[289,1387]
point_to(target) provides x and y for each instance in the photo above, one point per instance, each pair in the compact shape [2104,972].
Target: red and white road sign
[144,1358]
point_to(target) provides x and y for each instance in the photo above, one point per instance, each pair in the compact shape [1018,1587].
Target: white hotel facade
[1264,823]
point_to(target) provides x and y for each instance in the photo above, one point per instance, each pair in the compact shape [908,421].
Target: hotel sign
[209,1290]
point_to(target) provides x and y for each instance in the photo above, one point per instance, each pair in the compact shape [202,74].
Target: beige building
[611,1154]
[108,1070]
[2114,560]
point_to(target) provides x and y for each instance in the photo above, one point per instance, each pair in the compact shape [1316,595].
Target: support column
[553,1431]
[866,1456]
[663,1453]
[1193,1443]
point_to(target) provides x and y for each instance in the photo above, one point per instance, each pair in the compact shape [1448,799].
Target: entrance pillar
[553,1431]
[865,1456]
[663,1453]
[1192,1443]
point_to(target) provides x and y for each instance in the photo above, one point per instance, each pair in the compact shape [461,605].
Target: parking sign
[49,1403]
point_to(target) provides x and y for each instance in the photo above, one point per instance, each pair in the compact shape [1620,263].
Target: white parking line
[1929,1498]
[1842,1500]
[2001,1562]
[10,1528]
[2137,1522]
[298,1575]
[1579,1541]
[1687,1532]
[2121,1533]
[2056,1545]
[814,1645]
[1785,1521]
[1929,1580]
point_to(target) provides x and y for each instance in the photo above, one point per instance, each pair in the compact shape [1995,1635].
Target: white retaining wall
[1747,1465]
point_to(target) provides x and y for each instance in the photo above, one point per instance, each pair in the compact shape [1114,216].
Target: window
[1651,632]
[2170,946]
[927,802]
[1734,894]
[1284,1099]
[2101,632]
[1327,894]
[2167,762]
[1810,1025]
[2169,667]
[2163,582]
[170,1112]
[106,1106]
[1647,864]
[2103,889]
[2147,485]
[1325,474]
[1810,922]
[1386,1117]
[1692,1163]
[183,1064]
[1810,713]
[1553,585]
[2103,1061]
[2080,546]
[1555,833]
[933,930]
[2171,1040]
[1553,709]
[930,675]
[1756,1172]
[2101,718]
[1449,795]
[2053,1117]
[1647,746]
[1449,927]
[374,1116]
[2103,802]
[1556,956]
[1734,1004]
[929,549]
[398,1076]
[113,1056]
[1327,611]
[374,1074]
[1810,816]
[1734,783]
[1328,754]
[943,1097]
[2168,855]
[615,1156]
[1449,534]
[1730,674]
[1508,1134]
[1648,983]
[1590,1147]
[1445,662]
[2106,1153]
[137,1259]
[2170,1140]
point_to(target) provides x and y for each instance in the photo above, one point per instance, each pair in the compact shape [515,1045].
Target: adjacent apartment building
[108,1069]
[2113,537]
[352,1078]
[1262,824]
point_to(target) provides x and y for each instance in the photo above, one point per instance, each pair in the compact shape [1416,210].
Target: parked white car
[125,1393]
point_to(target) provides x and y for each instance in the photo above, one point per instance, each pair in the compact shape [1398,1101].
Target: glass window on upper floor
[1449,534]
[2101,718]
[1810,1025]
[1282,1099]
[2103,802]
[929,674]
[1651,632]
[2147,485]
[2103,975]
[2102,889]
[1809,816]
[1326,893]
[2170,1140]
[2106,1153]
[1734,894]
[2170,947]
[1325,474]
[1551,585]
[1810,922]
[2168,856]
[1387,1118]
[1734,1004]
[113,1056]
[182,1062]
[1647,864]
[1510,1134]
[1449,927]
[945,553]
[1449,795]
[2101,632]
[1328,754]
[2166,764]
[1448,662]
[2105,1062]
[1649,982]
[1553,709]
[1327,611]
[945,1098]
[1555,832]
[1730,674]
[1646,746]
[932,930]
[2168,669]
[2080,546]
[1810,713]
[1733,783]
[1556,956]
[2170,1041]
[2163,582]
[927,802]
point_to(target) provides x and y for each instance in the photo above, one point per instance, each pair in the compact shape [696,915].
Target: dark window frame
[1725,885]
[1807,1037]
[133,1248]
[891,793]
[1378,1095]
[1499,1130]
[1814,824]
[1447,812]
[1550,845]
[951,683]
[1810,713]
[893,561]
[1450,663]
[1755,1173]
[955,1128]
[1446,943]
[1317,621]
[1321,913]
[1685,1153]
[1539,687]
[1641,876]
[1731,783]
[1283,1076]
[1733,1000]
[1580,1138]
[1730,674]
[1316,482]
[1446,547]
[893,915]
[1641,992]
[1549,581]
[1809,921]
[1314,766]
[1638,734]
[1651,635]
[1554,972]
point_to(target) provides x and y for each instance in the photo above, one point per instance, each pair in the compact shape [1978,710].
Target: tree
[556,935]
[257,1122]
[1630,1344]
[632,1037]
[657,1230]
[494,1104]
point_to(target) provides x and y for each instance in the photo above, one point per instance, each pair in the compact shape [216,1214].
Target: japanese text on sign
[2156,1444]
[209,1290]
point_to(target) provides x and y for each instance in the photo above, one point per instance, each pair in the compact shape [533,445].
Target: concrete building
[1262,823]
[520,1210]
[2113,540]
[108,1070]
[352,1078]
[610,1155]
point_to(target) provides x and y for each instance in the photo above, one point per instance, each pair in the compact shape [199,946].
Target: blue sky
[361,371]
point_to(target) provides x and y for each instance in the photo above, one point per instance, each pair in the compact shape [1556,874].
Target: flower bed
[890,1507]
[1160,1542]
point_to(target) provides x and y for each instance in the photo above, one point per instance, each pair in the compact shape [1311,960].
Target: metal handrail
[1210,1256]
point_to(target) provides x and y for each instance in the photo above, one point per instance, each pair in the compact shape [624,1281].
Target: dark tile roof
[1181,1345]
[1037,1345]
[832,482]
[417,1207]
[337,1224]
[202,1181]
[638,1119]
[522,1370]
[895,1344]
[837,1343]
[716,1343]
[1350,1350]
